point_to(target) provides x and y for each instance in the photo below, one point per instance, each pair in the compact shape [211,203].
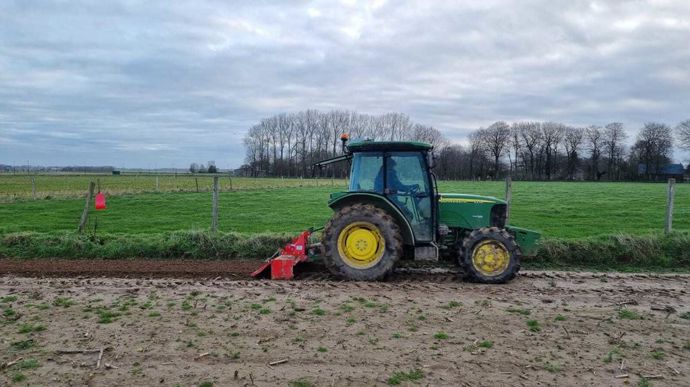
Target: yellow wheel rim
[490,258]
[361,245]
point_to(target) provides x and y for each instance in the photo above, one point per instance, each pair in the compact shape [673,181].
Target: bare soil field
[544,328]
[130,268]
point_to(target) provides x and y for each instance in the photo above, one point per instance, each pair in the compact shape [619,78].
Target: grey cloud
[136,83]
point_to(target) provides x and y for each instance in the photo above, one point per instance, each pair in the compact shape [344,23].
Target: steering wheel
[414,189]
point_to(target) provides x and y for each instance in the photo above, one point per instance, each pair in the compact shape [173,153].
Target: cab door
[407,185]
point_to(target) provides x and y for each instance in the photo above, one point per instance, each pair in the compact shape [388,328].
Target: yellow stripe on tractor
[461,200]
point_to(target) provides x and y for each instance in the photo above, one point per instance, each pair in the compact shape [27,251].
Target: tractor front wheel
[490,255]
[361,242]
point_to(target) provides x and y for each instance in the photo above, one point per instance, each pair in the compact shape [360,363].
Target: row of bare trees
[551,150]
[288,144]
[546,151]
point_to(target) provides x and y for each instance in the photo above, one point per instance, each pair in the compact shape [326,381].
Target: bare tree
[654,146]
[284,144]
[270,128]
[477,148]
[340,122]
[429,135]
[496,139]
[452,163]
[552,132]
[614,135]
[530,132]
[683,132]
[594,142]
[572,141]
[516,144]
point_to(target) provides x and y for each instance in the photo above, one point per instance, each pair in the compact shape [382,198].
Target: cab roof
[388,146]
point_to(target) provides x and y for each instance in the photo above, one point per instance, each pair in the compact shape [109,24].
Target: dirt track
[129,268]
[590,328]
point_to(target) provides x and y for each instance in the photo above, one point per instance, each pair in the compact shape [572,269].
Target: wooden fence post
[214,206]
[33,187]
[509,196]
[230,176]
[157,186]
[85,214]
[196,180]
[669,206]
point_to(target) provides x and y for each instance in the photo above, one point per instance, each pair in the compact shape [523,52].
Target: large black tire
[389,231]
[489,235]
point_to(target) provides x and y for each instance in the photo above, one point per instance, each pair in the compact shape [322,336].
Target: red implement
[283,261]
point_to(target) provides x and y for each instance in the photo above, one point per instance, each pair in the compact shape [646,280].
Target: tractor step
[426,253]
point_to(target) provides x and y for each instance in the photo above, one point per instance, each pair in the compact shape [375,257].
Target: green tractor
[393,211]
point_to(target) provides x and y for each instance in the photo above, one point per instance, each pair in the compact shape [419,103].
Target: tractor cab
[400,173]
[394,177]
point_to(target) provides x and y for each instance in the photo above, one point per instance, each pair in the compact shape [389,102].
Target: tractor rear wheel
[490,255]
[361,242]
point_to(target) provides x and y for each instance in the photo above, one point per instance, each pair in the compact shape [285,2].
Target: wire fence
[48,186]
[570,209]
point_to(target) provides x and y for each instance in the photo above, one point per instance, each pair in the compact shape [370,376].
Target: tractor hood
[470,211]
[466,198]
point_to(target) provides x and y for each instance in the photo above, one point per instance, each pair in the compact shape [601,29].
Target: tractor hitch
[281,264]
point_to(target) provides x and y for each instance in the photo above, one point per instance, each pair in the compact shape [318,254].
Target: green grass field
[14,187]
[557,209]
[598,226]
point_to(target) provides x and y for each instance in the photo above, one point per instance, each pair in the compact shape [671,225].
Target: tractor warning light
[344,137]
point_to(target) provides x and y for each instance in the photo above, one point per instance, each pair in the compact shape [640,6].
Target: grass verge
[620,252]
[171,245]
[655,252]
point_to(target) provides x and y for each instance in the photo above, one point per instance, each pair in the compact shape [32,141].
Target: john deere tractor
[393,211]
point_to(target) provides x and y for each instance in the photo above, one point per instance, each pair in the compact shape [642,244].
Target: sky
[152,84]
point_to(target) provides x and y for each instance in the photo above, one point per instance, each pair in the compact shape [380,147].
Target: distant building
[668,171]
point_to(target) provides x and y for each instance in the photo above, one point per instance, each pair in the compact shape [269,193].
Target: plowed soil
[130,268]
[544,328]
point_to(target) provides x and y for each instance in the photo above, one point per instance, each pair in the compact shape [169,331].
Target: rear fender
[380,201]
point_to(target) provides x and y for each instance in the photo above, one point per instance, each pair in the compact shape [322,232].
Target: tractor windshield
[365,170]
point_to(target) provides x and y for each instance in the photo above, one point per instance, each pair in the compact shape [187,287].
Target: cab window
[366,176]
[407,185]
[406,171]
